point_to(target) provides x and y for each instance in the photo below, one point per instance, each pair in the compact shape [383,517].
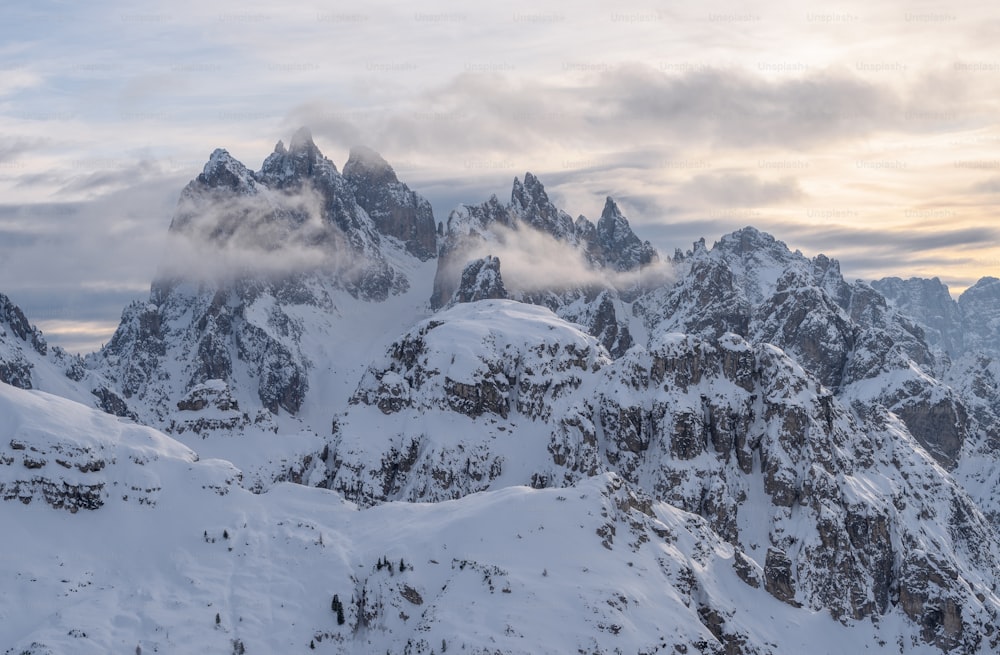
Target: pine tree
[218,619]
[225,534]
[338,607]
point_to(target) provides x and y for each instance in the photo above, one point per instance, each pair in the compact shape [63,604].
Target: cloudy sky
[867,131]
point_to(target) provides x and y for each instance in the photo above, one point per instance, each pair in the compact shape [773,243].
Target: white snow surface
[209,567]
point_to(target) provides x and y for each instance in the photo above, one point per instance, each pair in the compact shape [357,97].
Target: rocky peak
[223,171]
[15,366]
[749,240]
[300,161]
[980,306]
[757,259]
[616,244]
[302,142]
[530,203]
[612,223]
[363,163]
[13,320]
[826,272]
[395,210]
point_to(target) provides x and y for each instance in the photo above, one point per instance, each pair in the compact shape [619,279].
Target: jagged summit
[14,320]
[302,141]
[222,170]
[252,253]
[749,239]
[530,203]
[616,245]
[395,210]
[300,161]
[362,160]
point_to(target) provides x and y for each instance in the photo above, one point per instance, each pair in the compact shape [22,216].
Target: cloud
[12,147]
[85,260]
[77,336]
[532,260]
[218,237]
[740,190]
[730,107]
[900,239]
[991,185]
[13,80]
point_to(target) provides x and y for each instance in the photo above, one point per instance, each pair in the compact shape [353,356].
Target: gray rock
[393,207]
[481,280]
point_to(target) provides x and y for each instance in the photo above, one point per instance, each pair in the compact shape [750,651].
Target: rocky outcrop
[72,458]
[15,323]
[15,367]
[481,280]
[501,366]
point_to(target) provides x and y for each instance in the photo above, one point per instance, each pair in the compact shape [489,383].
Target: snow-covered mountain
[337,425]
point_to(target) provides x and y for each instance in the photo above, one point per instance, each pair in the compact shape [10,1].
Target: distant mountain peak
[395,210]
[617,245]
[366,162]
[224,170]
[302,140]
[611,209]
[531,204]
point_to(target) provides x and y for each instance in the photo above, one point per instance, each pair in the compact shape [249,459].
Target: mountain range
[341,425]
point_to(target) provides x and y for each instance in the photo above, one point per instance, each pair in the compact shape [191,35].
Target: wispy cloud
[112,109]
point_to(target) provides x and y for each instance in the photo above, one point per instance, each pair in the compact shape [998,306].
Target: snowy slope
[207,567]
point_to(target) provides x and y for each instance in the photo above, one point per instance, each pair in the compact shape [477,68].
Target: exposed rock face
[393,207]
[778,574]
[494,364]
[14,320]
[615,245]
[930,303]
[481,280]
[530,204]
[847,335]
[15,368]
[980,305]
[240,330]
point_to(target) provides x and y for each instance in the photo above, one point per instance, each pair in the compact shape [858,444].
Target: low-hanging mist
[532,261]
[219,237]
